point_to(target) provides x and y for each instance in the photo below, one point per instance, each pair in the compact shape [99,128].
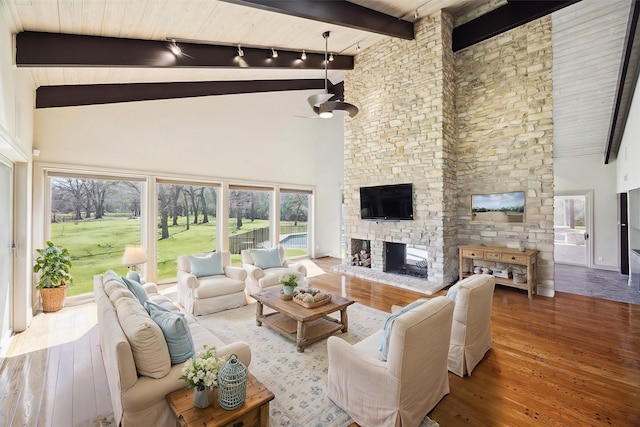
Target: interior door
[6,252]
[572,221]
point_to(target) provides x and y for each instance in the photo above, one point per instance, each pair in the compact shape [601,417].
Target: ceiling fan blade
[320,98]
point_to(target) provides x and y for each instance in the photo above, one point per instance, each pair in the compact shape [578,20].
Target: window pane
[186,224]
[294,213]
[248,221]
[94,219]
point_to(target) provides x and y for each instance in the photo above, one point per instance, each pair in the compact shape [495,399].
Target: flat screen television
[387,202]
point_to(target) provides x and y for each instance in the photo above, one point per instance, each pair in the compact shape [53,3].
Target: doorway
[6,251]
[572,224]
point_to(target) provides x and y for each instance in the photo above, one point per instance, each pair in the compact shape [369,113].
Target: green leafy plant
[290,280]
[53,264]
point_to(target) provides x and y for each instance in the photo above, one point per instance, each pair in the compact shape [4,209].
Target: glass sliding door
[94,219]
[249,215]
[187,223]
[6,252]
[294,220]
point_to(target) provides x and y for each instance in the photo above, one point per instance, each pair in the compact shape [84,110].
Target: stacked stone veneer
[404,133]
[479,121]
[505,137]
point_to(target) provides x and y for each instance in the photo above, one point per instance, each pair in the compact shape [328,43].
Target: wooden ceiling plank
[75,95]
[68,50]
[337,12]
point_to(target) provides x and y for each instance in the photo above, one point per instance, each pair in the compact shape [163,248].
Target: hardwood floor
[570,360]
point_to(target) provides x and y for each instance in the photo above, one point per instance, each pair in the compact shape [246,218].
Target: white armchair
[471,330]
[401,391]
[202,293]
[265,266]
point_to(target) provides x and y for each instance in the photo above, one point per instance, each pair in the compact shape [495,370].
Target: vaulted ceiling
[127,47]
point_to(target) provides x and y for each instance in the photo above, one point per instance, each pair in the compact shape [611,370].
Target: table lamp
[133,256]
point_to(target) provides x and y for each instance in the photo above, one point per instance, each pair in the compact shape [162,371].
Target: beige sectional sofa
[139,372]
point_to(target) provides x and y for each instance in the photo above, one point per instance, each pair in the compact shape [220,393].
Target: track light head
[331,57]
[358,47]
[240,51]
[303,56]
[175,49]
[274,53]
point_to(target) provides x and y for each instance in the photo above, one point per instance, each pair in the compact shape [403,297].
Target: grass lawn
[97,245]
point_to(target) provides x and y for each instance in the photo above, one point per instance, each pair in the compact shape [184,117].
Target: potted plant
[289,282]
[201,374]
[53,264]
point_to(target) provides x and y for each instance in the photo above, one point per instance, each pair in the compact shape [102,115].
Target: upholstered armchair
[400,391]
[265,266]
[207,283]
[471,330]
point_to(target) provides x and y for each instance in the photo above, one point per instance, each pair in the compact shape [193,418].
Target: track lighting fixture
[415,14]
[358,47]
[321,103]
[303,56]
[175,49]
[274,53]
[240,51]
[331,57]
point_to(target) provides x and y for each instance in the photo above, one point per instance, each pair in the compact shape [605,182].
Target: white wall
[590,173]
[249,138]
[628,160]
[16,136]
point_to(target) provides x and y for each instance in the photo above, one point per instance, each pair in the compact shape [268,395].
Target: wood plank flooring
[572,360]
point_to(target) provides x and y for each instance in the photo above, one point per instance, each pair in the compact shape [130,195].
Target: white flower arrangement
[289,280]
[202,371]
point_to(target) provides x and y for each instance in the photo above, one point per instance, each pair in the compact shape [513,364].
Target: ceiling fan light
[326,114]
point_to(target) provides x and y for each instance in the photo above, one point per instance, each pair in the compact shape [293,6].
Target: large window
[94,219]
[186,223]
[294,219]
[248,220]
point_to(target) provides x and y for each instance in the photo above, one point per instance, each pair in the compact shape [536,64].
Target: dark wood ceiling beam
[627,81]
[338,12]
[511,15]
[75,95]
[37,49]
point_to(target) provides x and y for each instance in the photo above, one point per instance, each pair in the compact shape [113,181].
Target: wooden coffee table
[254,411]
[300,324]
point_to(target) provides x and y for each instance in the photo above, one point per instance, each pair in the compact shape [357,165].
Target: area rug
[297,380]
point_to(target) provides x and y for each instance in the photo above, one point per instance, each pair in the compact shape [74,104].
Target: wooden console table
[253,413]
[500,255]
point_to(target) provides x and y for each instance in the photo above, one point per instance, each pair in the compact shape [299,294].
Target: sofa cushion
[266,258]
[137,290]
[209,287]
[206,265]
[118,293]
[134,275]
[175,329]
[149,348]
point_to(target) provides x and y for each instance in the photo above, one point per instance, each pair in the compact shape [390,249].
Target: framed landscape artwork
[498,207]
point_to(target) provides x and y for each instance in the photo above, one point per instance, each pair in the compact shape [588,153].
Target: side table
[253,413]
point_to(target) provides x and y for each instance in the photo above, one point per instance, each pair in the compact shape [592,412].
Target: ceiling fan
[321,103]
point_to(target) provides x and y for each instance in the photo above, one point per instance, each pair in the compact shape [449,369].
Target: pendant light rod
[326,64]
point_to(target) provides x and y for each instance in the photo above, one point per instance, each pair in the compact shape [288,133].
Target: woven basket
[53,298]
[312,304]
[232,384]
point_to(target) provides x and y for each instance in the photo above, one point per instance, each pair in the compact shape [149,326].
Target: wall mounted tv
[387,202]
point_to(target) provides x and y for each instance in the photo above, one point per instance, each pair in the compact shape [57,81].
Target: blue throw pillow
[384,344]
[137,290]
[135,276]
[266,258]
[175,330]
[207,265]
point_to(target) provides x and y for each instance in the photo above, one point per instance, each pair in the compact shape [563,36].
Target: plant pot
[53,298]
[202,398]
[287,290]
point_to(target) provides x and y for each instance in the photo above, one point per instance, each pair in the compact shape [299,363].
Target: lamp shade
[134,255]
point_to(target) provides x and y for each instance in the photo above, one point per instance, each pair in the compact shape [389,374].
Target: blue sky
[496,201]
